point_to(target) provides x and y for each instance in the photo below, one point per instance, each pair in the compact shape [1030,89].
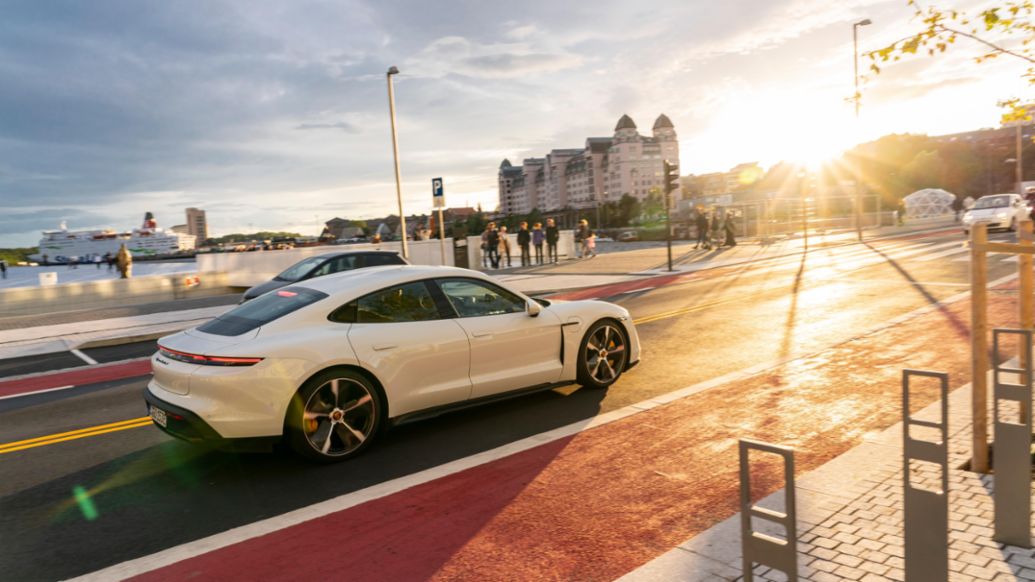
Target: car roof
[355,252]
[359,282]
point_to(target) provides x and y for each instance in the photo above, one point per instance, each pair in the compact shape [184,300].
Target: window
[262,310]
[374,260]
[403,303]
[472,298]
[300,269]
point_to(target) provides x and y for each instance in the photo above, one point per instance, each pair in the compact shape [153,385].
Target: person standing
[3,269]
[552,236]
[486,260]
[701,221]
[581,234]
[591,243]
[504,245]
[538,236]
[716,229]
[957,206]
[492,242]
[731,241]
[524,239]
[110,260]
[97,261]
[125,262]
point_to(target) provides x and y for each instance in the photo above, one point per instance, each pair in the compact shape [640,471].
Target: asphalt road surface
[74,506]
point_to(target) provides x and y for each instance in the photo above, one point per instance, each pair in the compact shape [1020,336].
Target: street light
[395,152]
[856,98]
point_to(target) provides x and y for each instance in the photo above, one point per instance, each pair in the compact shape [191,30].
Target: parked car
[628,236]
[325,264]
[996,211]
[327,363]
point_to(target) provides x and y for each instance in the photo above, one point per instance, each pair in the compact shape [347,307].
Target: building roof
[598,145]
[625,122]
[663,122]
[505,163]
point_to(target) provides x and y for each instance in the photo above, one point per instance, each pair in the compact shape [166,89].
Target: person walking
[716,229]
[581,234]
[552,236]
[701,221]
[524,239]
[538,236]
[504,246]
[957,206]
[591,244]
[485,247]
[731,241]
[125,262]
[492,242]
[3,269]
[110,260]
[97,261]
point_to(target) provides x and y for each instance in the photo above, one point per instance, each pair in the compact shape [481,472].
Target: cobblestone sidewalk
[850,520]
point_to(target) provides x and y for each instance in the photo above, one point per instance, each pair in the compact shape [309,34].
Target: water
[29,276]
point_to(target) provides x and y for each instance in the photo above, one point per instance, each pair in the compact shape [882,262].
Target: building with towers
[603,170]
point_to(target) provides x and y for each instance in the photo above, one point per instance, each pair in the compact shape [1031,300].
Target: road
[140,492]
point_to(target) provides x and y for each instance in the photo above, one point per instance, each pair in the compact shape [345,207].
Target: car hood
[264,288]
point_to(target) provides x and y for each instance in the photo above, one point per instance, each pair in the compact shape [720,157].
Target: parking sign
[438,193]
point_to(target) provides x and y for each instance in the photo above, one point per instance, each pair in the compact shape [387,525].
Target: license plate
[158,415]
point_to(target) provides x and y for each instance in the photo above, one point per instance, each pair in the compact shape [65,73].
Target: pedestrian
[552,236]
[3,269]
[581,234]
[486,261]
[731,241]
[701,222]
[957,206]
[524,239]
[504,245]
[492,241]
[900,216]
[591,243]
[538,236]
[125,262]
[716,229]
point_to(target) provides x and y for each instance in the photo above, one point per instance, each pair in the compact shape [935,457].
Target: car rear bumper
[180,422]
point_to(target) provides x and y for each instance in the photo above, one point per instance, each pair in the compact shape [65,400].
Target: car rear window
[262,310]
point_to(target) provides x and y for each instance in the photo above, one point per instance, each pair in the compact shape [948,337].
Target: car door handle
[382,347]
[482,334]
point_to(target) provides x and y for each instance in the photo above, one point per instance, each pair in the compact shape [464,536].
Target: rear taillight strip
[206,360]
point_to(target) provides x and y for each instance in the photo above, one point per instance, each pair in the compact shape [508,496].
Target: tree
[628,209]
[941,28]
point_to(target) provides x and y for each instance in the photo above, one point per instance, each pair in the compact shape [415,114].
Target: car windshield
[262,310]
[300,269]
[993,202]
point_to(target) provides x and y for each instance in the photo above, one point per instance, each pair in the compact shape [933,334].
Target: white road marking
[84,357]
[640,290]
[34,392]
[322,509]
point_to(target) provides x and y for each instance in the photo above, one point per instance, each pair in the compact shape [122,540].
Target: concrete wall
[252,268]
[106,293]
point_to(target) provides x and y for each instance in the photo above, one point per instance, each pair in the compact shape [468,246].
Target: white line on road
[322,509]
[84,357]
[640,290]
[35,392]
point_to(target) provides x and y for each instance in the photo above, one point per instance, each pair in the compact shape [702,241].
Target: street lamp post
[856,98]
[395,152]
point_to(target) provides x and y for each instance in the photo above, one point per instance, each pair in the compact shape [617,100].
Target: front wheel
[335,416]
[603,354]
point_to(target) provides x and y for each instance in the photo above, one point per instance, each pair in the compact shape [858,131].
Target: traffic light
[671,181]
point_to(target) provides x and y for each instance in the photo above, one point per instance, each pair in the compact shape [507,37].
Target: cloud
[457,55]
[342,125]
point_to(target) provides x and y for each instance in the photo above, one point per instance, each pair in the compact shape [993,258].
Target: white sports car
[329,362]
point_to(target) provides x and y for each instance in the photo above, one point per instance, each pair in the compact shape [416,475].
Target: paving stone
[849,573]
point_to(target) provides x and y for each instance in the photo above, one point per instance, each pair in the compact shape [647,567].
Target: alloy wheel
[605,354]
[339,416]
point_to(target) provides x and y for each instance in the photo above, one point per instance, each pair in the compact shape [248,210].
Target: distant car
[996,211]
[320,265]
[326,364]
[628,236]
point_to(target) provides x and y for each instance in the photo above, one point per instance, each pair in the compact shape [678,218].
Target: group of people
[496,245]
[715,229]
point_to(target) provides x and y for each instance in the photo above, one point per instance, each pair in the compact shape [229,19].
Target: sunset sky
[274,115]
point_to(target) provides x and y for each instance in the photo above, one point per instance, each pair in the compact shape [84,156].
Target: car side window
[411,302]
[345,263]
[378,260]
[472,298]
[323,269]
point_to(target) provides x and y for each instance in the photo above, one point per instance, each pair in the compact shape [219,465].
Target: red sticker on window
[287,293]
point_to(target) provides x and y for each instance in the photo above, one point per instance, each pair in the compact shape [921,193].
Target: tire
[603,354]
[335,416]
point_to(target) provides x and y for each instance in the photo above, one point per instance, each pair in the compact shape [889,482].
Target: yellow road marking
[74,434]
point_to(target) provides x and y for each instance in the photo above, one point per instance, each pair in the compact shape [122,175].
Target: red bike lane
[597,504]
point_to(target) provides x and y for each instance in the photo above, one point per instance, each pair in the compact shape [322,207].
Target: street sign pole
[671,183]
[438,198]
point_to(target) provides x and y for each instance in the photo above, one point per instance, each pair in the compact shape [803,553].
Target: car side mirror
[533,308]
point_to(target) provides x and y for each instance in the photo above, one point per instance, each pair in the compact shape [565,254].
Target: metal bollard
[1012,454]
[758,547]
[926,512]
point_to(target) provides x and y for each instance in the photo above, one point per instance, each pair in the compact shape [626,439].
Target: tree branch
[993,46]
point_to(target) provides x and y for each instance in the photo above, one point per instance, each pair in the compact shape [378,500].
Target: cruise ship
[63,245]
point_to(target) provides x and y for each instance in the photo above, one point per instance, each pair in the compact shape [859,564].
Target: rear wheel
[603,354]
[335,416]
